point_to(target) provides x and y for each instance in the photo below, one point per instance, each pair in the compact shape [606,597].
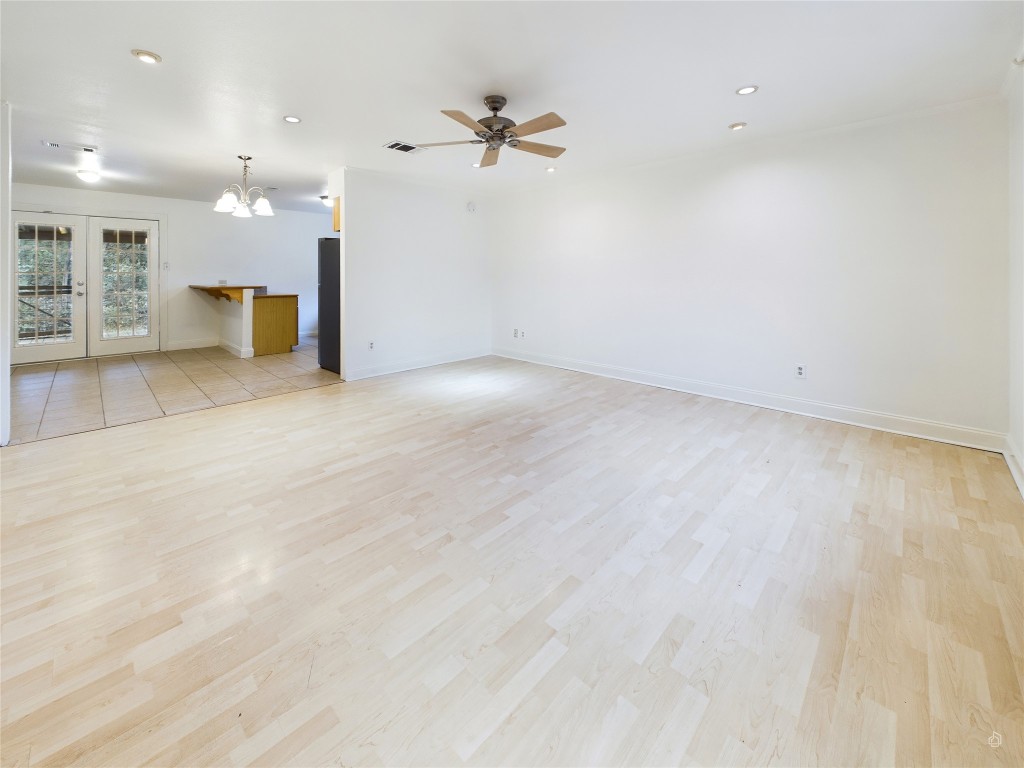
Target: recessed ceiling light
[326,201]
[476,165]
[550,169]
[89,176]
[146,56]
[292,119]
[737,126]
[746,90]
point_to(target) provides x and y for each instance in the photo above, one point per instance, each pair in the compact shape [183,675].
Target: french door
[84,286]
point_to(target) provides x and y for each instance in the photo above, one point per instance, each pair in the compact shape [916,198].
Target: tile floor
[52,399]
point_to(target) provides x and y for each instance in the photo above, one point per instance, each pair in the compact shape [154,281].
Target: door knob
[80,293]
[81,282]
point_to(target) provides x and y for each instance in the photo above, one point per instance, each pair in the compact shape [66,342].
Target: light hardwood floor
[496,563]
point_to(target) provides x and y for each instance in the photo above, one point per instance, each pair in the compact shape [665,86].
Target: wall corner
[7,270]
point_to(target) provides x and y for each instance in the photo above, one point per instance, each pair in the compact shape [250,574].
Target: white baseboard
[236,350]
[211,341]
[409,364]
[887,422]
[1015,461]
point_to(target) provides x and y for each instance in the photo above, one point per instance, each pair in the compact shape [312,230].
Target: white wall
[1015,446]
[202,247]
[875,255]
[416,281]
[6,270]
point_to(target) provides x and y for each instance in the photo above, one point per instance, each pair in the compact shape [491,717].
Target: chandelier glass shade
[237,198]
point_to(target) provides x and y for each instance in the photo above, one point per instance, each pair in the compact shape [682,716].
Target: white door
[49,287]
[123,299]
[84,286]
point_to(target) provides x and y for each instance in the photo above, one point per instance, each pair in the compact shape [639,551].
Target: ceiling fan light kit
[235,199]
[496,132]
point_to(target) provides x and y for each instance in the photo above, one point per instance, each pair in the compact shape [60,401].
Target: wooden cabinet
[275,323]
[253,322]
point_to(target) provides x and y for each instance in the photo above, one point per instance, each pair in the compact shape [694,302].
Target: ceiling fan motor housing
[495,124]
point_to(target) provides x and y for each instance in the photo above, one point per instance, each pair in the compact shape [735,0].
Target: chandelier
[235,199]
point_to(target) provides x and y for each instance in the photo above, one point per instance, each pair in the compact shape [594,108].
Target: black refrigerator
[329,303]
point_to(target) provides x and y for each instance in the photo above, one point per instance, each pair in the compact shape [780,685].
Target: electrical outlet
[369,346]
[515,333]
[801,371]
[522,335]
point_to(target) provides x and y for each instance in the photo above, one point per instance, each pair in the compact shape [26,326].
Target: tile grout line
[47,403]
[227,373]
[35,434]
[138,370]
[78,413]
[214,363]
[242,383]
[99,383]
[194,384]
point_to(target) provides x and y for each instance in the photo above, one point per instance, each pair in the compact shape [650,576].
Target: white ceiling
[636,82]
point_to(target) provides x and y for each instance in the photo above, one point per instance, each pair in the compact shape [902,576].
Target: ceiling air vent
[69,147]
[404,146]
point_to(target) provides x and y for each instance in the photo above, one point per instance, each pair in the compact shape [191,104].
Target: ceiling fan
[497,132]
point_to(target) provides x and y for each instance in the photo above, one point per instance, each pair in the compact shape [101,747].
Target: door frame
[100,211]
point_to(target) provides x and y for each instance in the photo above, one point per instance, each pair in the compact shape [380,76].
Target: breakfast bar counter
[254,322]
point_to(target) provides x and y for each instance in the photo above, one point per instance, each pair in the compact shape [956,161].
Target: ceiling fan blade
[539,149]
[490,157]
[538,124]
[465,119]
[450,143]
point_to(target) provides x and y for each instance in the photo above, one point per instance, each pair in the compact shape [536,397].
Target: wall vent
[69,147]
[404,146]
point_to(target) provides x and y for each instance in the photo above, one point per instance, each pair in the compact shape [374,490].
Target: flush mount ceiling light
[476,165]
[292,119]
[737,126]
[235,199]
[326,201]
[146,56]
[550,169]
[746,90]
[88,166]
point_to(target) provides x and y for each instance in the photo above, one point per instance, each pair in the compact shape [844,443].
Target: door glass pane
[44,285]
[125,283]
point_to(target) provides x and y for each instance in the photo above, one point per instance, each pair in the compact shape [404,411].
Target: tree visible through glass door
[49,291]
[123,310]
